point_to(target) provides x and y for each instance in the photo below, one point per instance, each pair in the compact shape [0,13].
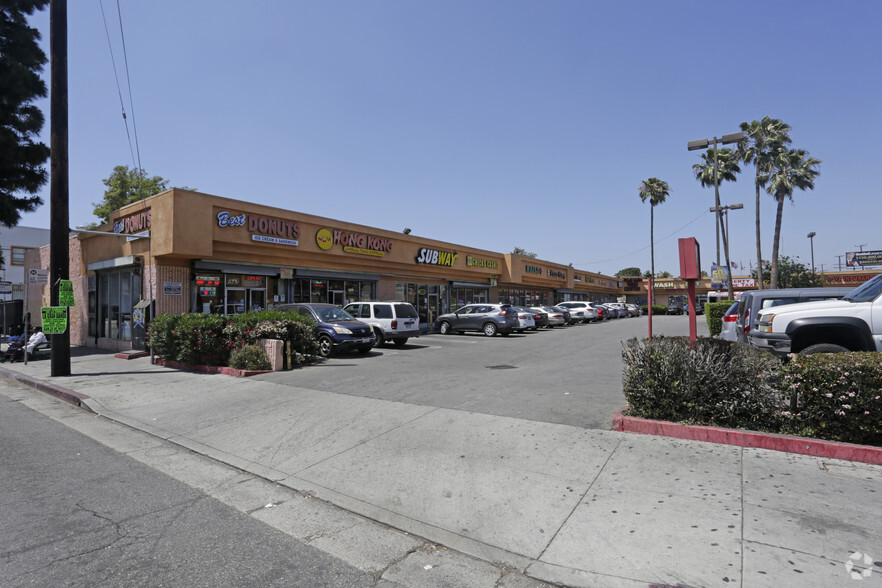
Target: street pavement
[543,502]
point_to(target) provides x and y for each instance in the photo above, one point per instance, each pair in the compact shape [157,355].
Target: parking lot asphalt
[566,375]
[565,503]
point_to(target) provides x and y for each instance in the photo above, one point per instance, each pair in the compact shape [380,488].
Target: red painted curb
[210,369]
[799,445]
[131,355]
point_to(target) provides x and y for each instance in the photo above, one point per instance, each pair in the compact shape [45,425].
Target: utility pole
[59,192]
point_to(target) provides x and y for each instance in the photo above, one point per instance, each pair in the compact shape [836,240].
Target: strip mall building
[217,255]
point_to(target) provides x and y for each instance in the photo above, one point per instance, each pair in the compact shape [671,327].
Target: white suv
[395,321]
[580,311]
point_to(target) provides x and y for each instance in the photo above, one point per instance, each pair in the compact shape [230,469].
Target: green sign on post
[65,293]
[54,320]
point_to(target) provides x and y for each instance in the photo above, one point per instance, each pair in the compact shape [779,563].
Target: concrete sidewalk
[562,504]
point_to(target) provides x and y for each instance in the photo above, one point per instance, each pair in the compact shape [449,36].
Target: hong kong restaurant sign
[358,243]
[262,228]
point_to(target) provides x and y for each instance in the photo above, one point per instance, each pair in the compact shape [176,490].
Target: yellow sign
[324,239]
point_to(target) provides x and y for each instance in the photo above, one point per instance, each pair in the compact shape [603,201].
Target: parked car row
[360,326]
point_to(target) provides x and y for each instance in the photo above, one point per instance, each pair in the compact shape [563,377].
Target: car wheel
[381,339]
[444,328]
[365,348]
[400,341]
[823,348]
[490,329]
[325,346]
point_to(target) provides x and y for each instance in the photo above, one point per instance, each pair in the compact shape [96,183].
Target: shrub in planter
[160,335]
[201,340]
[718,383]
[249,357]
[838,397]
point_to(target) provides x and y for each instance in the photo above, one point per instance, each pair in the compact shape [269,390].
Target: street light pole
[703,144]
[811,237]
[724,210]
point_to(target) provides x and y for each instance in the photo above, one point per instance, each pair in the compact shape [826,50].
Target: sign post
[690,264]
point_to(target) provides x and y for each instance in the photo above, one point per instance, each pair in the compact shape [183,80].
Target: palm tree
[762,137]
[789,169]
[725,163]
[656,191]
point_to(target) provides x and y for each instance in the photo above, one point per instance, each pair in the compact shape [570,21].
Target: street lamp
[811,237]
[724,210]
[703,144]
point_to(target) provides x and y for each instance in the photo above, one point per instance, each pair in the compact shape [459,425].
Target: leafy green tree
[656,192]
[22,157]
[792,274]
[629,272]
[125,186]
[523,252]
[665,274]
[790,169]
[762,137]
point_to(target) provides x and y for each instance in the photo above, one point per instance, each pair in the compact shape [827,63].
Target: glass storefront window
[339,292]
[117,294]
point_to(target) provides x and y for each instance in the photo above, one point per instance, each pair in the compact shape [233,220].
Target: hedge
[837,397]
[209,339]
[713,312]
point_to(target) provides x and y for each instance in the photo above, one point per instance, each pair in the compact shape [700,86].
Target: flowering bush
[838,397]
[209,339]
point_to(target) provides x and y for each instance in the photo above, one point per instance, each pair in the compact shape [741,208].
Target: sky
[491,124]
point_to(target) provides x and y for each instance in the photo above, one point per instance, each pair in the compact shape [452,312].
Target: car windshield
[332,314]
[867,291]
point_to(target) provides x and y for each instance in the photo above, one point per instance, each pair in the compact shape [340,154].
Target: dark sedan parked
[335,329]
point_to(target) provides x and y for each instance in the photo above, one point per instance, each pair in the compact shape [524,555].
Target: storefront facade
[209,254]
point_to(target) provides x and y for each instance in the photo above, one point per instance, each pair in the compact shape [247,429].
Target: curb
[800,445]
[75,398]
[210,369]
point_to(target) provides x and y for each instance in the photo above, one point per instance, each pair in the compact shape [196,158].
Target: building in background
[14,244]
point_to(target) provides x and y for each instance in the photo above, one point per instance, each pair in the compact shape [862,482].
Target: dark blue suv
[335,329]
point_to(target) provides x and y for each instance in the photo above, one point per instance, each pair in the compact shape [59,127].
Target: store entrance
[337,297]
[238,300]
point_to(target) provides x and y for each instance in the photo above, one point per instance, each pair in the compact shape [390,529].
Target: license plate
[366,340]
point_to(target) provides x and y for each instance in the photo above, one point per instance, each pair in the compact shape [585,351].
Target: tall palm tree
[656,191]
[726,162]
[762,138]
[789,169]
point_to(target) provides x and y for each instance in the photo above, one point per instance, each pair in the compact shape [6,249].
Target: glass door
[256,299]
[235,300]
[336,297]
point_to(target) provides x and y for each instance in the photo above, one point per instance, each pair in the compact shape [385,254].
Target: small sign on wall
[172,288]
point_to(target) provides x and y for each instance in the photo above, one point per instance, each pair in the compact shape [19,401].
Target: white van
[395,321]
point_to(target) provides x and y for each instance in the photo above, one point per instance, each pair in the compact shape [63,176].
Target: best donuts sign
[263,229]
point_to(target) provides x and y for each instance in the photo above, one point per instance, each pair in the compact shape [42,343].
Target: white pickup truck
[852,323]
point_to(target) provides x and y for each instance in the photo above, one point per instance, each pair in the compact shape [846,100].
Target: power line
[642,248]
[118,88]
